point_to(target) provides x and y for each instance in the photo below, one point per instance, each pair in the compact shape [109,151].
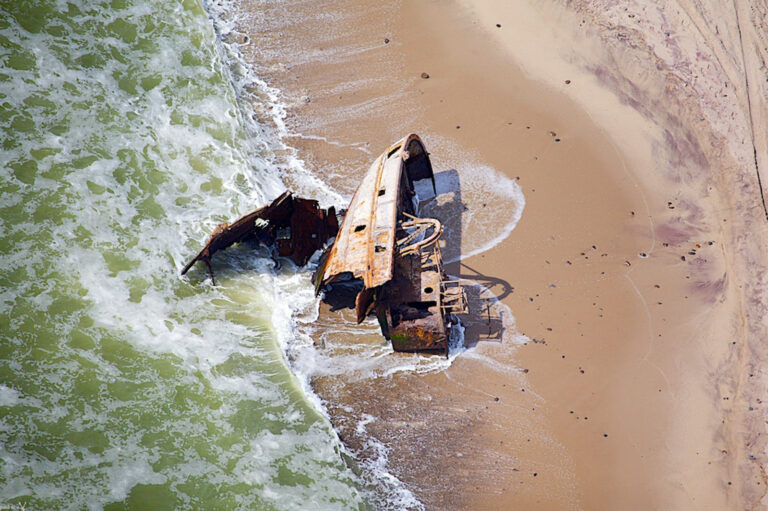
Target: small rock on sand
[425,75]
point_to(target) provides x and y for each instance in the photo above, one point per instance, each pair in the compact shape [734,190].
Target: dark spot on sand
[498,25]
[425,75]
[567,82]
[386,40]
[682,258]
[496,399]
[605,435]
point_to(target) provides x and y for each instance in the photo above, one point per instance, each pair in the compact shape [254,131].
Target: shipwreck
[380,244]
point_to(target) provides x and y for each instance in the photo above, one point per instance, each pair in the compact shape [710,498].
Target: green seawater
[123,385]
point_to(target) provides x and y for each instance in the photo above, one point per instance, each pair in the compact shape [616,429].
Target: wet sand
[635,272]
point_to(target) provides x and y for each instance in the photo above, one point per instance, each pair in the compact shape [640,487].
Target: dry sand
[637,271]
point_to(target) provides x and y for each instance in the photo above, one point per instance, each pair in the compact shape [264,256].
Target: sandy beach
[620,365]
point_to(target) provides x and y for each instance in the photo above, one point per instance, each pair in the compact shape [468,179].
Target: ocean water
[130,129]
[125,140]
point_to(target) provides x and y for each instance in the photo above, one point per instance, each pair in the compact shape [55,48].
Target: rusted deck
[365,244]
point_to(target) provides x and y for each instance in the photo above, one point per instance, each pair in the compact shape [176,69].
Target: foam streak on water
[122,385]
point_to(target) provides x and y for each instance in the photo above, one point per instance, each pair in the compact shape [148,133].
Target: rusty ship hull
[382,244]
[395,254]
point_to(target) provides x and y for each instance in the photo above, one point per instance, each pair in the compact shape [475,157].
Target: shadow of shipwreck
[484,320]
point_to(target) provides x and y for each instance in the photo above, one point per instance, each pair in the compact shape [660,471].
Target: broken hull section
[296,227]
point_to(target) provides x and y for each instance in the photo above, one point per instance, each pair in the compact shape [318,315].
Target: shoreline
[630,341]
